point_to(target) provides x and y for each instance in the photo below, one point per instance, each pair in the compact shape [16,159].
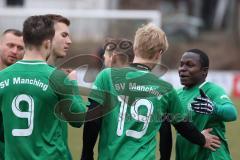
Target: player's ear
[205,71]
[161,52]
[158,55]
[113,59]
[47,44]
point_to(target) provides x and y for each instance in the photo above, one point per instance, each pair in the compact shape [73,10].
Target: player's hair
[204,60]
[15,32]
[121,47]
[58,18]
[148,40]
[36,29]
[100,52]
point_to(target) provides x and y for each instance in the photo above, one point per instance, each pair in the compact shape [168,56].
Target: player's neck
[149,63]
[52,59]
[34,55]
[199,83]
[2,66]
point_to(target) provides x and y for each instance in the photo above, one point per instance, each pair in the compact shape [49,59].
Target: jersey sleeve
[217,94]
[101,91]
[224,107]
[98,88]
[78,104]
[70,106]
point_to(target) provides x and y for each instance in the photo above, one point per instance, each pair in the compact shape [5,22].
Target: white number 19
[134,113]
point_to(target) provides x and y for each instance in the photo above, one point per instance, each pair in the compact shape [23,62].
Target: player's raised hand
[212,141]
[202,104]
[72,75]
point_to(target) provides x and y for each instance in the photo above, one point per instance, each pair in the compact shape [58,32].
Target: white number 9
[140,118]
[29,114]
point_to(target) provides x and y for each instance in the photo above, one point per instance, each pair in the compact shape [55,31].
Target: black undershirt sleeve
[90,134]
[165,145]
[190,132]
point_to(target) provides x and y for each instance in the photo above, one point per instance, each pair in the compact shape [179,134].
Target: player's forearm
[190,132]
[165,145]
[90,134]
[77,112]
[226,112]
[91,130]
[71,107]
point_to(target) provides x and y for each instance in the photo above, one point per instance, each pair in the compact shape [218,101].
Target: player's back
[139,100]
[31,129]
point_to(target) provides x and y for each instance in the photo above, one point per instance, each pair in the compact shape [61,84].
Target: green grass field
[233,130]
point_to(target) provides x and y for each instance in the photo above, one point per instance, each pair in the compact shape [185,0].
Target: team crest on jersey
[224,97]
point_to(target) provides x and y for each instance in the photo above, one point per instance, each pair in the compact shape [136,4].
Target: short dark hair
[100,52]
[204,60]
[36,29]
[15,32]
[58,18]
[121,46]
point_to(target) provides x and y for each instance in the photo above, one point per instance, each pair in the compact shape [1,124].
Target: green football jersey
[1,141]
[136,101]
[28,104]
[185,150]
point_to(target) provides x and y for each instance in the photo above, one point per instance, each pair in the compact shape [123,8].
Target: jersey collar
[31,62]
[140,66]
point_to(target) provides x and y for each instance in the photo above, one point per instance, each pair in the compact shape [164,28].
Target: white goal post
[153,15]
[86,23]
